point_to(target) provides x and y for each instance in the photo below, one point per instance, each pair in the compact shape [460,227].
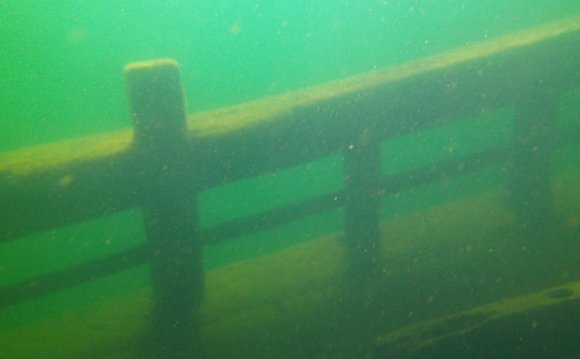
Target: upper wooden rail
[67,182]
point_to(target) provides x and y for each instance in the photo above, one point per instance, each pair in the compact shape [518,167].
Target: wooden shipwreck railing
[167,159]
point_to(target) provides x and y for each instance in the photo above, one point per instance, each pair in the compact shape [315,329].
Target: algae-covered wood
[57,184]
[543,324]
[298,303]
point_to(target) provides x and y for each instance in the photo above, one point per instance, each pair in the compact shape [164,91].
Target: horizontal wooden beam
[63,183]
[71,277]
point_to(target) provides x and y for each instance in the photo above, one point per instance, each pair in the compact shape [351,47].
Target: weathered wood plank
[287,304]
[57,184]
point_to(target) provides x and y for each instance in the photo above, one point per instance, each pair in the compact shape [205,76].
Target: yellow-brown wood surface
[57,184]
[297,303]
[542,324]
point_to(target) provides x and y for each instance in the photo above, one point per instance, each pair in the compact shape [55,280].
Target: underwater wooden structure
[169,153]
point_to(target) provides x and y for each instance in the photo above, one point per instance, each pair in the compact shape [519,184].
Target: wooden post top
[151,64]
[157,104]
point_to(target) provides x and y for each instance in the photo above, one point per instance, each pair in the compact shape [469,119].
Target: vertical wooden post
[362,167]
[362,176]
[158,109]
[529,178]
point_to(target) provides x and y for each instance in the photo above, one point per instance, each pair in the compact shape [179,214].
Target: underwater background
[61,76]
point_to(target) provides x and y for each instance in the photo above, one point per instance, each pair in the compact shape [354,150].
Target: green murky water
[61,77]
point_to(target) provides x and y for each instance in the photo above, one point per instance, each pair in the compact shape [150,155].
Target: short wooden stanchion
[362,167]
[530,171]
